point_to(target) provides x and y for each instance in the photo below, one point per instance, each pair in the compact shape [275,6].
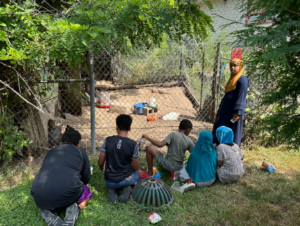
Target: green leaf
[2,36]
[141,17]
[100,13]
[149,24]
[79,11]
[84,43]
[94,34]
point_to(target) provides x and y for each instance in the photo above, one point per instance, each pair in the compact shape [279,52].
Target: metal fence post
[92,102]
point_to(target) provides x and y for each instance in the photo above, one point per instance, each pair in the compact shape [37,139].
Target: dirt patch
[171,99]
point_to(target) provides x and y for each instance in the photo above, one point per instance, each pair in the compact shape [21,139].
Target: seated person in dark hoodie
[62,181]
[121,155]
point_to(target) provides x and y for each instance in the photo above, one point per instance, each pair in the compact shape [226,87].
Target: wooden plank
[191,97]
[120,108]
[134,86]
[214,86]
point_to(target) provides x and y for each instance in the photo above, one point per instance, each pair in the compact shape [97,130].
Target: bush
[12,139]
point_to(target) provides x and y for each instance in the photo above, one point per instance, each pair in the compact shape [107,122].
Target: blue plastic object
[138,108]
[157,174]
[270,168]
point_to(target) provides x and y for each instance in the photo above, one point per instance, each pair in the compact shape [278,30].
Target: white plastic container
[176,186]
[104,100]
[152,102]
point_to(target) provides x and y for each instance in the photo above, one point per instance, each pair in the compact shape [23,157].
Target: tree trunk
[70,96]
[37,128]
[102,66]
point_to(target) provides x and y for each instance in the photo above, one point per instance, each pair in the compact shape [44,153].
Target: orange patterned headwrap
[231,84]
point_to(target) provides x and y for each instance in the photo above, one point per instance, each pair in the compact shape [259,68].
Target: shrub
[12,139]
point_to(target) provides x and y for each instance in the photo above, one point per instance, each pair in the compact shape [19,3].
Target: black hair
[71,136]
[124,122]
[185,124]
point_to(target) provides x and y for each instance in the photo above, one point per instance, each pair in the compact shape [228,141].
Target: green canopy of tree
[274,62]
[26,33]
[35,34]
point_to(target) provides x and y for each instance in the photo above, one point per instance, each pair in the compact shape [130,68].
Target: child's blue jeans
[131,180]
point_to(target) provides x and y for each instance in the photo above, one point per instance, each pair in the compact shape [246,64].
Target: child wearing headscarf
[202,163]
[229,157]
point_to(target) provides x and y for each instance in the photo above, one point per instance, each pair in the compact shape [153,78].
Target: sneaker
[189,186]
[175,175]
[113,195]
[50,218]
[72,214]
[125,195]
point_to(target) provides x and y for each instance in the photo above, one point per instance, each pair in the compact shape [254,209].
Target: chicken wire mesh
[171,75]
[180,80]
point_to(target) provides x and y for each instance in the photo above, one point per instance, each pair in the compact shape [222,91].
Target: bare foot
[82,204]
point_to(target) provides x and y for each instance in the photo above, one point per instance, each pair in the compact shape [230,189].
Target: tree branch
[293,36]
[293,12]
[69,10]
[18,74]
[5,84]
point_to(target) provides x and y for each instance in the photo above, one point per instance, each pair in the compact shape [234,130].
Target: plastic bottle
[152,102]
[92,170]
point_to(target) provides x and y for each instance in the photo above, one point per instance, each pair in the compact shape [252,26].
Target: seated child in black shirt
[62,181]
[122,161]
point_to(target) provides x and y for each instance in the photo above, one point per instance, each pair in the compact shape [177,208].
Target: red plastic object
[143,174]
[103,106]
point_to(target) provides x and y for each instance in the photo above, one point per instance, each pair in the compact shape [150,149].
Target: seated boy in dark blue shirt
[122,161]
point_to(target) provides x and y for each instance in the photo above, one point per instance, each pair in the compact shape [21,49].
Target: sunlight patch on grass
[286,161]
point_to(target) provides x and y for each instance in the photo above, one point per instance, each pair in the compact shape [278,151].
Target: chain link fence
[158,85]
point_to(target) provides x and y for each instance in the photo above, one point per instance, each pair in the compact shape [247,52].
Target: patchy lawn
[259,198]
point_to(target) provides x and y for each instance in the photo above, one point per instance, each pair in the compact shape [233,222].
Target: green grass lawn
[259,198]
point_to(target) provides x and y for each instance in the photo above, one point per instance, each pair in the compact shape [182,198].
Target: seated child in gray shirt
[178,143]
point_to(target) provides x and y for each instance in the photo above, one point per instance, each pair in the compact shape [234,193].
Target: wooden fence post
[214,84]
